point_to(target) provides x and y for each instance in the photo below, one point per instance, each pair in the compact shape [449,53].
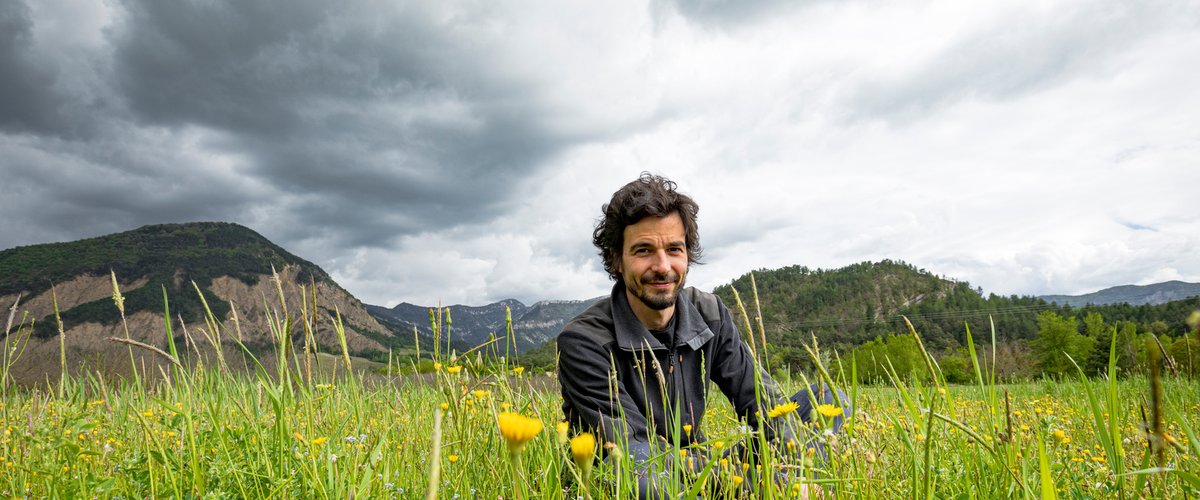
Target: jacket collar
[690,327]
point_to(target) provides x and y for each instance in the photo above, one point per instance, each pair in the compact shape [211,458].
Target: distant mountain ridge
[471,326]
[1158,293]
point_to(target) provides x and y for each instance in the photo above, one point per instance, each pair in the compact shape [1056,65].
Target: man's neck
[653,319]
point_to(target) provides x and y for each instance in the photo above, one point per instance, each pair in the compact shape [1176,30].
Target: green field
[197,430]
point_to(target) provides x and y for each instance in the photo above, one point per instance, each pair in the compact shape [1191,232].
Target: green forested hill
[858,304]
[173,255]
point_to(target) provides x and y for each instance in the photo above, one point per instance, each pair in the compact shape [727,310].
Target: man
[635,367]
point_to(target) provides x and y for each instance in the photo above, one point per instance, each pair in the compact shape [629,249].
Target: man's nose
[661,262]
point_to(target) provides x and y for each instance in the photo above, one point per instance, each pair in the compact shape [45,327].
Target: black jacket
[614,373]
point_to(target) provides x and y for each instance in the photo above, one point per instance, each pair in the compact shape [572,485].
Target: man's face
[654,260]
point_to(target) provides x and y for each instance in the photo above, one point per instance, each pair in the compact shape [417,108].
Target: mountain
[1158,293]
[471,326]
[231,265]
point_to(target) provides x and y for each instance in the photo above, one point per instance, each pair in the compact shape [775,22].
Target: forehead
[655,230]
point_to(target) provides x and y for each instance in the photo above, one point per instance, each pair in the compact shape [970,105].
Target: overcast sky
[459,152]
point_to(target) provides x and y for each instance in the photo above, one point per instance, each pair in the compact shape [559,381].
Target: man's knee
[825,395]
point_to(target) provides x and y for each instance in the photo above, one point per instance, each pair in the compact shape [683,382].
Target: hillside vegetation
[172,255]
[860,310]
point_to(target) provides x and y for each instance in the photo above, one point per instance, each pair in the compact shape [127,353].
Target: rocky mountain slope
[231,266]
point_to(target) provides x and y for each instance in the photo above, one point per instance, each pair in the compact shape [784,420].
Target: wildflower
[687,428]
[437,366]
[452,458]
[829,411]
[517,370]
[583,450]
[319,441]
[1060,435]
[562,428]
[445,406]
[480,393]
[454,370]
[737,480]
[517,429]
[783,409]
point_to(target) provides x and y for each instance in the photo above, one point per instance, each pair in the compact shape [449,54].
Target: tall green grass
[313,426]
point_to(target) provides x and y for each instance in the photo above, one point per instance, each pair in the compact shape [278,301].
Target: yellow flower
[445,406]
[829,411]
[517,429]
[480,393]
[453,370]
[319,441]
[783,409]
[298,437]
[1060,435]
[687,428]
[562,428]
[452,458]
[737,480]
[517,370]
[437,366]
[583,448]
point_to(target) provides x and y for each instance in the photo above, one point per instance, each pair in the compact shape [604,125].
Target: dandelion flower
[319,441]
[480,393]
[687,428]
[737,480]
[583,448]
[562,428]
[517,429]
[454,370]
[517,370]
[452,458]
[829,411]
[783,409]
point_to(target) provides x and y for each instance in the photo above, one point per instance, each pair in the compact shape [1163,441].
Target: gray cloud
[27,99]
[459,152]
[393,119]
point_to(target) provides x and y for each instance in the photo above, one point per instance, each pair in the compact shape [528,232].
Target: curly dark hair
[650,195]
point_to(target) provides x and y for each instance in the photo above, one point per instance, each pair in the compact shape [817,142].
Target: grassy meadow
[481,428]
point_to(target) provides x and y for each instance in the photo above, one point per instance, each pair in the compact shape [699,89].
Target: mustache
[655,277]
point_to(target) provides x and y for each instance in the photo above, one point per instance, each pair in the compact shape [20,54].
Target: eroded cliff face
[248,303]
[71,293]
[88,349]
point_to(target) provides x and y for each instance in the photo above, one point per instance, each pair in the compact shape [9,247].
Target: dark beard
[657,302]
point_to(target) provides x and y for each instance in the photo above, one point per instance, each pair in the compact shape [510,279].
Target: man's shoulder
[595,323]
[706,303]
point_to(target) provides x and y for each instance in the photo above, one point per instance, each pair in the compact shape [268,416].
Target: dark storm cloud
[27,100]
[386,123]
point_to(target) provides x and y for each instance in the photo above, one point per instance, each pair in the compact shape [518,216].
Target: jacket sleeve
[586,377]
[733,370]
